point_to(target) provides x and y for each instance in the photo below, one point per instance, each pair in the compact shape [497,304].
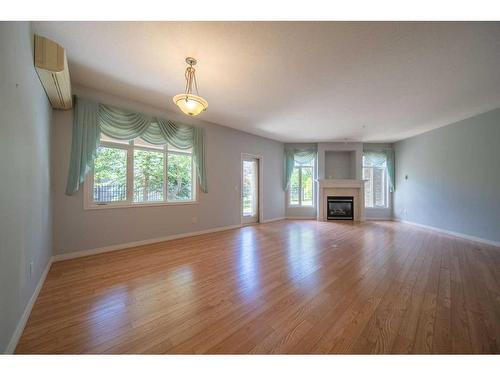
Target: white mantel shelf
[356,188]
[338,183]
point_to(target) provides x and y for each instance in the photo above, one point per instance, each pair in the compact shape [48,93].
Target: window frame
[313,174]
[129,147]
[386,189]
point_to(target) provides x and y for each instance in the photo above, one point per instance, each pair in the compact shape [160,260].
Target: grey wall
[25,200]
[78,229]
[340,164]
[353,147]
[453,177]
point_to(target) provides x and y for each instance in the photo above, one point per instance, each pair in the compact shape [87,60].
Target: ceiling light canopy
[189,103]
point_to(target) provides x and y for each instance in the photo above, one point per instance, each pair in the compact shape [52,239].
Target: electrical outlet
[30,271]
[194,220]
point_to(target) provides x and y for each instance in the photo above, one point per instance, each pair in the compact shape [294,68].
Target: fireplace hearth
[340,208]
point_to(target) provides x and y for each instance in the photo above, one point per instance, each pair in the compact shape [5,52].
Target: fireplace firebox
[340,208]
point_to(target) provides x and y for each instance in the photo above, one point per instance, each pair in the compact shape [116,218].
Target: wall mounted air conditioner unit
[52,69]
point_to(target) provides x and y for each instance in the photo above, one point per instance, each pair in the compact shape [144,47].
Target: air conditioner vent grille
[52,68]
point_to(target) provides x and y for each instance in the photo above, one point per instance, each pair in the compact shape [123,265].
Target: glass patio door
[250,190]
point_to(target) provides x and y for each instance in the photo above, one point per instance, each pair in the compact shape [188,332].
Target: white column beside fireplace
[338,187]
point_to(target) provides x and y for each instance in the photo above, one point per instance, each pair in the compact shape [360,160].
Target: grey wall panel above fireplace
[340,164]
[449,178]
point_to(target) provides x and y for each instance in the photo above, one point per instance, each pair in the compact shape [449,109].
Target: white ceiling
[297,81]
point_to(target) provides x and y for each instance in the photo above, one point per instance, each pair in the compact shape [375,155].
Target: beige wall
[77,229]
[25,200]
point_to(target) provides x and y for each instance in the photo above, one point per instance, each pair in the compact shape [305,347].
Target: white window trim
[388,194]
[89,204]
[289,193]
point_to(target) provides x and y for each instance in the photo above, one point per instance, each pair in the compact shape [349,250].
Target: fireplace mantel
[338,183]
[354,188]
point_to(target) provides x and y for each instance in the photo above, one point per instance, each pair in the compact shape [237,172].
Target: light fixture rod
[191,76]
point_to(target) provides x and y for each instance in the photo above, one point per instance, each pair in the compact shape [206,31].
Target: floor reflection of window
[108,311]
[248,263]
[302,256]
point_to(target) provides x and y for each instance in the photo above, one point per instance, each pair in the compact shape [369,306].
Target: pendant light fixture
[189,103]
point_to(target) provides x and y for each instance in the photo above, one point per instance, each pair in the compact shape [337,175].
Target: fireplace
[350,190]
[340,208]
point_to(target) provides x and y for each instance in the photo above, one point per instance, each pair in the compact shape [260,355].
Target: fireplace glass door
[340,208]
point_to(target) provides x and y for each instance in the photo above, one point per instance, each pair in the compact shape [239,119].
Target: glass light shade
[190,104]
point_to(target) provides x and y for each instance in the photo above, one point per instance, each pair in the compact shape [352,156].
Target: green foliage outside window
[147,171]
[295,187]
[307,186]
[148,176]
[110,175]
[180,177]
[248,188]
[301,186]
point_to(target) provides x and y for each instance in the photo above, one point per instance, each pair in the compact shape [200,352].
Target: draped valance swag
[90,118]
[382,159]
[296,155]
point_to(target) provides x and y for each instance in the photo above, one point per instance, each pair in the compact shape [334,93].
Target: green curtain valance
[382,159]
[297,155]
[91,118]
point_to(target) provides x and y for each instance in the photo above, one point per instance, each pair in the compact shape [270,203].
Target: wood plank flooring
[283,287]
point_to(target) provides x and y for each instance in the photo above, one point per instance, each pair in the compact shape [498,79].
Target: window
[137,173]
[376,184]
[110,175]
[301,185]
[180,180]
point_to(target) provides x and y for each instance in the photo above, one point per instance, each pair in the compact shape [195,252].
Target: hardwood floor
[283,287]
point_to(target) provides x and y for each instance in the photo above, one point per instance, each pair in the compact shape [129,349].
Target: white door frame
[260,186]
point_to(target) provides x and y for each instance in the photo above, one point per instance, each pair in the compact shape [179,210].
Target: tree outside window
[301,185]
[136,172]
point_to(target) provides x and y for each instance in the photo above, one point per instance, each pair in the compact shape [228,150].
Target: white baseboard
[451,233]
[27,311]
[105,249]
[379,218]
[272,220]
[11,347]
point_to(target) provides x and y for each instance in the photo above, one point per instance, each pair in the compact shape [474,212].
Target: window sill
[299,206]
[136,205]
